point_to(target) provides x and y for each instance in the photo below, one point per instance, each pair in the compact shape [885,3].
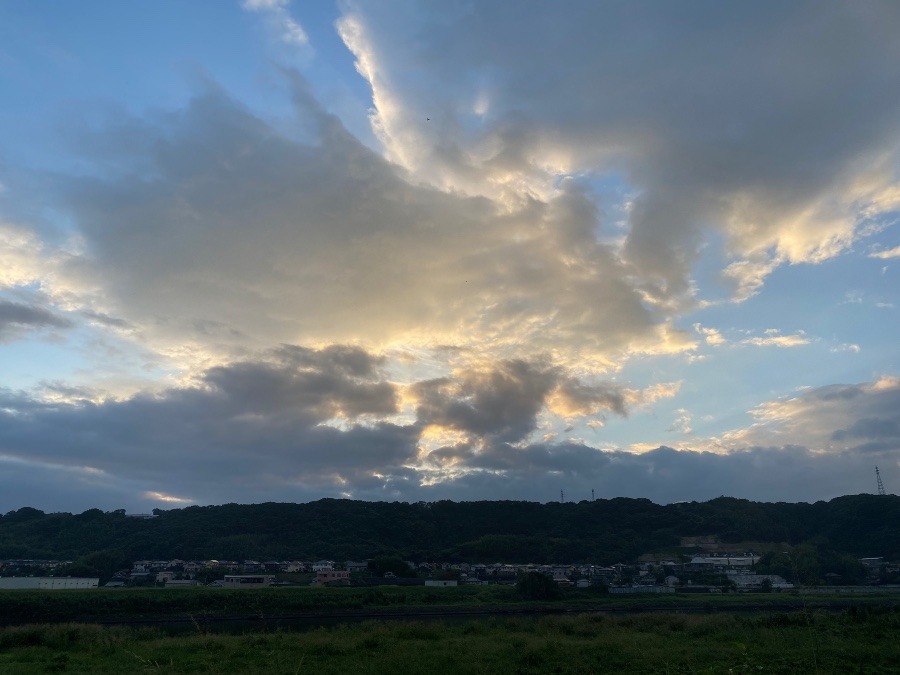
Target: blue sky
[271,250]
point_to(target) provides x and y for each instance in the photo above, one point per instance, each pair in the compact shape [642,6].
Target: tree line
[603,531]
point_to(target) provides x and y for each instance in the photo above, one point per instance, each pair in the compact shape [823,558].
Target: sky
[266,250]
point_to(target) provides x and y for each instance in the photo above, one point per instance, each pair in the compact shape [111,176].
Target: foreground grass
[863,641]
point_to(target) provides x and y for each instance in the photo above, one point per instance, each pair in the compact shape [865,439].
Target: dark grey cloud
[580,397]
[870,427]
[663,475]
[16,318]
[314,385]
[242,430]
[303,423]
[501,402]
[217,443]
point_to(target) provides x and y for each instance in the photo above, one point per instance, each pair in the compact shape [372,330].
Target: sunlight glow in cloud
[424,261]
[168,499]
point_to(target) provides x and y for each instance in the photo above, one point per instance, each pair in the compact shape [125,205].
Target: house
[441,583]
[323,566]
[193,567]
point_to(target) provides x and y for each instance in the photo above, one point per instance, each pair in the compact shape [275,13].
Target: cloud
[661,474]
[294,426]
[682,423]
[16,318]
[295,421]
[796,340]
[887,254]
[20,252]
[501,402]
[282,25]
[156,496]
[303,384]
[573,398]
[712,336]
[773,125]
[239,237]
[445,308]
[839,418]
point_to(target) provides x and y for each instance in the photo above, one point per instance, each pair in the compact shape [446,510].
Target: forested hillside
[603,531]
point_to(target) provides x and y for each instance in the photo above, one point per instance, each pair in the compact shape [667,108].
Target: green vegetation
[854,642]
[32,606]
[537,586]
[602,531]
[384,565]
[807,564]
[88,605]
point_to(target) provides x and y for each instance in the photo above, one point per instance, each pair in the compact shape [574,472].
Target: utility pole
[878,480]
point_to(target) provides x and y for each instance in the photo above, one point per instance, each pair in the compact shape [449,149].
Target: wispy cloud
[279,19]
[796,340]
[886,254]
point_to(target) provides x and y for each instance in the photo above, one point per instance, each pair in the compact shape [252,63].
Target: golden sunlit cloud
[797,340]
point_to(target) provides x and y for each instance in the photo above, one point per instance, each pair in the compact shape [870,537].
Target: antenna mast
[878,479]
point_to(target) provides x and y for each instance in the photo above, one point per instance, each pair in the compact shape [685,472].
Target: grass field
[856,641]
[20,607]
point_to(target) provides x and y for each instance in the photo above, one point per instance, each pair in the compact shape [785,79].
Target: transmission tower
[878,479]
[562,496]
